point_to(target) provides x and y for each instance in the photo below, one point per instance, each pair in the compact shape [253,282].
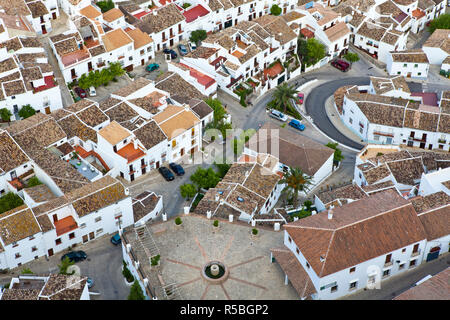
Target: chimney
[154,12]
[330,213]
[247,173]
[217,198]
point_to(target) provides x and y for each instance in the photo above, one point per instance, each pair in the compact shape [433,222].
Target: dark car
[166,173]
[173,54]
[152,66]
[115,239]
[179,171]
[183,50]
[340,64]
[80,92]
[75,256]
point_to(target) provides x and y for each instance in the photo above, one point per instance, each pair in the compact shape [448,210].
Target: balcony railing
[386,134]
[442,141]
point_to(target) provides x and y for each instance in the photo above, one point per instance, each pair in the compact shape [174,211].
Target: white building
[341,251]
[409,64]
[435,182]
[437,46]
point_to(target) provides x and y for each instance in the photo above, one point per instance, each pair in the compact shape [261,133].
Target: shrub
[26,111]
[188,190]
[205,178]
[178,221]
[136,292]
[186,5]
[379,154]
[254,231]
[27,271]
[216,223]
[127,273]
[308,204]
[105,5]
[65,264]
[5,114]
[33,181]
[197,35]
[196,201]
[275,10]
[154,260]
[242,100]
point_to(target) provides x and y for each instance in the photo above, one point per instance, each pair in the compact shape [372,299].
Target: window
[416,65]
[98,219]
[386,273]
[404,65]
[174,143]
[401,266]
[350,120]
[388,258]
[31,238]
[130,58]
[334,288]
[361,130]
[15,244]
[307,265]
[72,235]
[99,231]
[403,250]
[376,138]
[416,248]
[412,263]
[353,269]
[58,241]
[83,225]
[33,249]
[353,285]
[419,73]
[18,255]
[398,72]
[290,240]
[296,250]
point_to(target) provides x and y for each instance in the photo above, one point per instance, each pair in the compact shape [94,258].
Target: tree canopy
[5,114]
[443,22]
[197,35]
[351,57]
[26,111]
[275,10]
[205,178]
[10,201]
[310,51]
[105,5]
[283,95]
[338,157]
[188,190]
[296,180]
[136,292]
[65,264]
[101,77]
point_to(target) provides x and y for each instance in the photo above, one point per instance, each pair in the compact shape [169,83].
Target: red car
[80,92]
[340,64]
[300,97]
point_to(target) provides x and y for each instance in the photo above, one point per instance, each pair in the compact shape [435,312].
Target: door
[192,151]
[157,164]
[13,175]
[85,238]
[422,145]
[144,170]
[388,140]
[91,236]
[182,152]
[55,217]
[408,75]
[89,65]
[72,73]
[430,146]
[47,110]
[53,15]
[132,177]
[434,253]
[171,42]
[142,62]
[50,252]
[44,31]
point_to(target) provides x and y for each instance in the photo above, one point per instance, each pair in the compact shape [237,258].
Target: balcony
[386,134]
[144,165]
[131,172]
[240,13]
[388,264]
[423,139]
[442,141]
[100,64]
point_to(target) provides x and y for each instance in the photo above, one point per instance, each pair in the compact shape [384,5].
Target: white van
[92,92]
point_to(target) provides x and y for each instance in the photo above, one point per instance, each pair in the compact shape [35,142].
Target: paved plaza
[185,249]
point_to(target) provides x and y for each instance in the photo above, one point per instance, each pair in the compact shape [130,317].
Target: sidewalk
[335,119]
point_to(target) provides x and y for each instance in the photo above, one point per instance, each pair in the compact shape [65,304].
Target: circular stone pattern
[215,272]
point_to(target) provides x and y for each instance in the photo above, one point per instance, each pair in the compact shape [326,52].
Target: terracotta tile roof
[261,180]
[112,14]
[377,187]
[294,150]
[90,12]
[413,56]
[357,19]
[143,204]
[17,224]
[178,87]
[295,272]
[390,37]
[136,85]
[245,200]
[163,18]
[200,108]
[40,193]
[92,116]
[15,8]
[95,51]
[352,235]
[174,120]
[440,38]
[351,191]
[150,102]
[7,65]
[292,16]
[11,44]
[374,175]
[96,195]
[65,148]
[408,171]
[201,53]
[150,135]
[337,31]
[277,28]
[115,39]
[121,113]
[108,103]
[114,133]
[371,31]
[435,288]
[431,202]
[140,38]
[11,156]
[58,287]
[73,127]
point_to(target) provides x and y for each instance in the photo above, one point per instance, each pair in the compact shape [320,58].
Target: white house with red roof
[200,80]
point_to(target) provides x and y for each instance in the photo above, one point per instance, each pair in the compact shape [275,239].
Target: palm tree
[283,95]
[296,180]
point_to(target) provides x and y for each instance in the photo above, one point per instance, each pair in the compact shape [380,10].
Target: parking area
[103,265]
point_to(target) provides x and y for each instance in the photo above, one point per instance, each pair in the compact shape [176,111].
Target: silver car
[278,115]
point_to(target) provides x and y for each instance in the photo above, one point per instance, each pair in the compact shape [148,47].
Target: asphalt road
[315,106]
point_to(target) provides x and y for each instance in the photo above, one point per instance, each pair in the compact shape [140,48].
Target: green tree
[275,10]
[65,264]
[296,180]
[443,22]
[136,292]
[222,169]
[84,81]
[105,5]
[188,190]
[282,96]
[116,70]
[197,35]
[5,114]
[219,110]
[34,181]
[315,51]
[351,57]
[10,201]
[26,111]
[205,178]
[338,157]
[186,5]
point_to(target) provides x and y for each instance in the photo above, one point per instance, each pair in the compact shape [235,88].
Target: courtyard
[186,248]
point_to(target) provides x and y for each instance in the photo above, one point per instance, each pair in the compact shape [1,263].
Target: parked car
[179,171]
[192,46]
[90,282]
[115,239]
[340,64]
[182,48]
[278,115]
[152,66]
[166,173]
[173,54]
[80,92]
[297,124]
[300,97]
[75,256]
[92,92]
